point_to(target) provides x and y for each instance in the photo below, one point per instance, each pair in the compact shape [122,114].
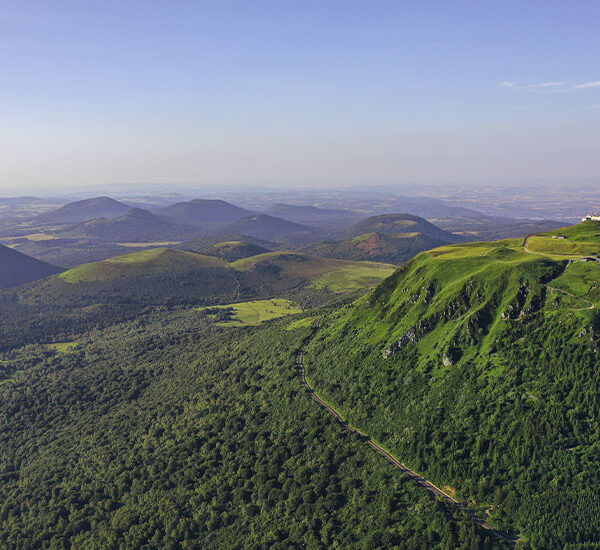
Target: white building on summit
[593,217]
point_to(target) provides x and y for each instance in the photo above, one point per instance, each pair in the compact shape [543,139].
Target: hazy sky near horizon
[298,92]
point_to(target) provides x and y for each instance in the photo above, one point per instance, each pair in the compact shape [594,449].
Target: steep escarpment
[476,365]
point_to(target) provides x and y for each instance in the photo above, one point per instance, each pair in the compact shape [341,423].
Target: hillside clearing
[62,347]
[35,237]
[144,245]
[354,277]
[254,312]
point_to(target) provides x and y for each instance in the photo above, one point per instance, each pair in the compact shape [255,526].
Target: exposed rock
[457,307]
[451,356]
[589,331]
[429,294]
[409,337]
[515,309]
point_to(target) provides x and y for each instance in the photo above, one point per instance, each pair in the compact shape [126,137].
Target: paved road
[420,481]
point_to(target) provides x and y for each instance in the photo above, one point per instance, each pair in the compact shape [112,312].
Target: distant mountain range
[18,268]
[314,216]
[98,228]
[107,220]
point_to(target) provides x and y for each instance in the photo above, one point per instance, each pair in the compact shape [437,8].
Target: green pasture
[256,312]
[62,347]
[354,277]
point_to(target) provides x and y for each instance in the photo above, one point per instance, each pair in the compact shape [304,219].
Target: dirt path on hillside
[590,306]
[419,480]
[570,257]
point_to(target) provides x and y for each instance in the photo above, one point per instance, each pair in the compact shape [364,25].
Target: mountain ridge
[474,363]
[314,216]
[137,225]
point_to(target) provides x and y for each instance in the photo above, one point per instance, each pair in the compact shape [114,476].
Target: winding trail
[418,479]
[591,304]
[570,257]
[525,249]
[570,260]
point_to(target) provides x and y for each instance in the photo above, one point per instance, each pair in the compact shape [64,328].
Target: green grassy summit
[136,262]
[578,240]
[231,251]
[587,231]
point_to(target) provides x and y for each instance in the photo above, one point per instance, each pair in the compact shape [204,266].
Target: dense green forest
[170,432]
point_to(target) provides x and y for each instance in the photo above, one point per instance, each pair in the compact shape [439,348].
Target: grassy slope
[324,273]
[489,382]
[62,347]
[580,240]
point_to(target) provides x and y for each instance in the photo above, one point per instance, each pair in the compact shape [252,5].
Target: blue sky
[298,92]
